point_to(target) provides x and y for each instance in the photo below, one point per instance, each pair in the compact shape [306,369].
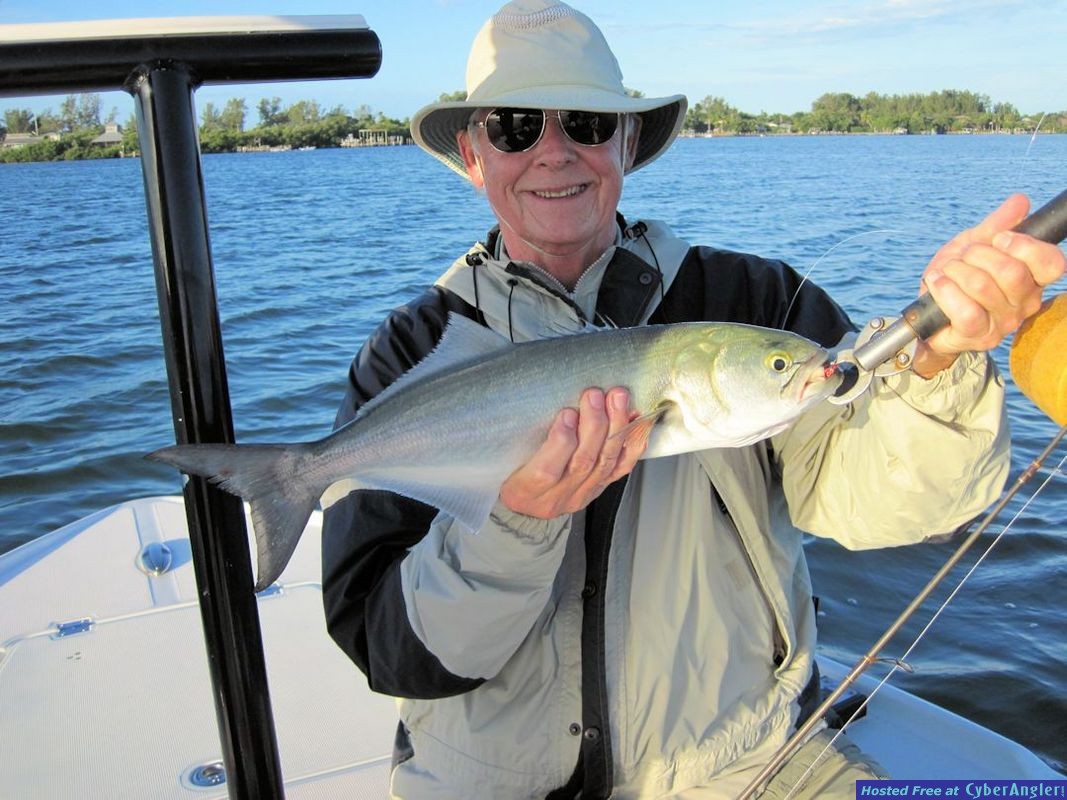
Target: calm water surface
[312,248]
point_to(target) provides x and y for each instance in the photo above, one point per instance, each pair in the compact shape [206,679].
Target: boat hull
[104,681]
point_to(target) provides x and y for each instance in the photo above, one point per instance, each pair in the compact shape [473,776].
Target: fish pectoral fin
[637,433]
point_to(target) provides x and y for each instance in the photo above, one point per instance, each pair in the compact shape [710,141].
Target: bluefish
[453,428]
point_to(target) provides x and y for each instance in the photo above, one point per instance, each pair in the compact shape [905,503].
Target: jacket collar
[520,301]
[627,287]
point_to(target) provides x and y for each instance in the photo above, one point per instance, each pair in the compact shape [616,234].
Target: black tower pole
[200,403]
[162,67]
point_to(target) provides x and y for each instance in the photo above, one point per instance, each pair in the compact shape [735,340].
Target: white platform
[124,709]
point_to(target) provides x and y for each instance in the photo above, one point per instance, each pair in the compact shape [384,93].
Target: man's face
[557,199]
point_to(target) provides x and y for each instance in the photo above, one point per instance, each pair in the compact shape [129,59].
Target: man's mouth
[555,194]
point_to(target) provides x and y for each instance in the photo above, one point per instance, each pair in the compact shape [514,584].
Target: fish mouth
[812,379]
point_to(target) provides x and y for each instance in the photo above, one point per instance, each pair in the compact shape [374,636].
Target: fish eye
[779,362]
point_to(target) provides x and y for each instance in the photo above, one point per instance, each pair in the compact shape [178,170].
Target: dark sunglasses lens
[512,130]
[589,127]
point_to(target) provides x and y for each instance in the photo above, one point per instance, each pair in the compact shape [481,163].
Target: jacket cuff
[522,526]
[951,392]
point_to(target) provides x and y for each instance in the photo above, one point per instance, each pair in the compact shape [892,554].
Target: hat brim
[435,126]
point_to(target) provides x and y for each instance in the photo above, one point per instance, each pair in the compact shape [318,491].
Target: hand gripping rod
[923,318]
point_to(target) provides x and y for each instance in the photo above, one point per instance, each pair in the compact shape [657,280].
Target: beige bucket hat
[544,54]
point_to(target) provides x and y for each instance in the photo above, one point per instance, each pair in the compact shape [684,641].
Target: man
[639,631]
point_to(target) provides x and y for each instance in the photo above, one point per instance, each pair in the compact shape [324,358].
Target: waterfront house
[19,140]
[112,135]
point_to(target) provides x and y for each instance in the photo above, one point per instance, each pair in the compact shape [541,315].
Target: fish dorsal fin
[463,340]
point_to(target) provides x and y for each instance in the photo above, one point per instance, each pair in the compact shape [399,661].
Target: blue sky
[760,55]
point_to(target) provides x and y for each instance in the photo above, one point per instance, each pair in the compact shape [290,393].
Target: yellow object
[1039,358]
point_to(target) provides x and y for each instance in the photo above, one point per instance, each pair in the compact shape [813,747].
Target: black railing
[162,67]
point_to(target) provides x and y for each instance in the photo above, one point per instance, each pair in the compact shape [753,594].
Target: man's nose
[555,145]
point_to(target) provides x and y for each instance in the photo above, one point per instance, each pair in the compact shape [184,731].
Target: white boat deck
[124,709]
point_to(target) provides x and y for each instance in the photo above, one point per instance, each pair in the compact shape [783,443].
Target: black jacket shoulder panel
[366,534]
[725,286]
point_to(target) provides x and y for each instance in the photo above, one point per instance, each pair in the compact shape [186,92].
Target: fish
[450,430]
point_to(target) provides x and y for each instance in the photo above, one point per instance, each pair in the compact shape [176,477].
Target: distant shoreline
[76,132]
[682,135]
[795,135]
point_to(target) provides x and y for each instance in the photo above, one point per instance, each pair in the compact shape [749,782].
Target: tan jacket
[506,605]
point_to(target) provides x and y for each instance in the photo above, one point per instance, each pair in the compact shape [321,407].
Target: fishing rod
[873,654]
[901,662]
[1038,367]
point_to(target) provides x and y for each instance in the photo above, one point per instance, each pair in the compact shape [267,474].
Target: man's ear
[470,158]
[633,136]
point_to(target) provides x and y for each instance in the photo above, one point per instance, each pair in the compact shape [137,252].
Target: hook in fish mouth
[850,375]
[811,377]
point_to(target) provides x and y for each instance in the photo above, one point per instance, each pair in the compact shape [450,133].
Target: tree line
[68,134]
[302,124]
[948,111]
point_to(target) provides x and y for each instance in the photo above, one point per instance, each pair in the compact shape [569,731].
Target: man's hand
[580,457]
[987,280]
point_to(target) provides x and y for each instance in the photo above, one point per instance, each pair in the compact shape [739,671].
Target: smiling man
[555,198]
[622,628]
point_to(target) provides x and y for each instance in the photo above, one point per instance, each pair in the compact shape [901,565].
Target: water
[312,248]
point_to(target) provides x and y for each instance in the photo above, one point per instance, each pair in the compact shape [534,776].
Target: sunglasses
[516,130]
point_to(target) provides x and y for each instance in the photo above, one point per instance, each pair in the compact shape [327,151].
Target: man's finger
[1009,214]
[1006,216]
[545,468]
[617,403]
[592,431]
[1045,261]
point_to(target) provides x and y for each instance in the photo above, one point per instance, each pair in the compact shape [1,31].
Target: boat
[135,659]
[108,679]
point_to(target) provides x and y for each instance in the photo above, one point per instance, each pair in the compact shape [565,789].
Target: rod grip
[1048,223]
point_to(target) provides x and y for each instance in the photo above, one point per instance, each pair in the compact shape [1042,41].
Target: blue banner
[961,788]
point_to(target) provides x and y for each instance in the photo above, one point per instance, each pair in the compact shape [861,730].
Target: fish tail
[271,478]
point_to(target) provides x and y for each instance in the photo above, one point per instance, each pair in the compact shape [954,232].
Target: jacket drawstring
[474,260]
[511,294]
[639,229]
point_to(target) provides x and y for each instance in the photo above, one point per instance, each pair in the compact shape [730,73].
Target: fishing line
[803,731]
[902,661]
[820,259]
[1029,147]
